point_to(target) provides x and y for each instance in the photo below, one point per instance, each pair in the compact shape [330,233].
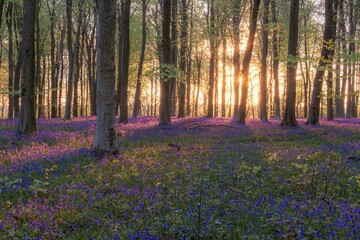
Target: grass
[258,181]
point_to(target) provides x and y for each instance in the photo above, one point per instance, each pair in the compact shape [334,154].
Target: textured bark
[137,102]
[330,99]
[105,133]
[91,67]
[174,55]
[124,77]
[77,66]
[183,51]
[289,118]
[9,17]
[165,100]
[276,62]
[223,83]
[326,59]
[210,99]
[53,65]
[246,63]
[236,56]
[342,28]
[350,103]
[264,53]
[27,120]
[189,62]
[71,60]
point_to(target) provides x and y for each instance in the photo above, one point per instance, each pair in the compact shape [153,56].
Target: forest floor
[198,178]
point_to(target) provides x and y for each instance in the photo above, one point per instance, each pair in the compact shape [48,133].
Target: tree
[71,60]
[183,50]
[27,120]
[289,118]
[165,100]
[236,56]
[264,53]
[9,21]
[246,62]
[124,74]
[136,108]
[275,61]
[326,59]
[105,133]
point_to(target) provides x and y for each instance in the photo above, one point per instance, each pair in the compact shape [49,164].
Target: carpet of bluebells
[197,178]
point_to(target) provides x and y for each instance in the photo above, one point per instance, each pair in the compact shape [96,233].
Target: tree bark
[223,83]
[137,101]
[165,100]
[71,60]
[174,55]
[105,133]
[183,51]
[326,59]
[246,63]
[276,62]
[124,78]
[27,120]
[210,99]
[264,53]
[236,56]
[350,104]
[9,21]
[289,118]
[54,84]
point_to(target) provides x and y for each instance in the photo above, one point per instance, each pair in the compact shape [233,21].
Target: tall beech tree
[236,55]
[125,61]
[264,53]
[70,82]
[183,51]
[276,60]
[289,118]
[165,98]
[27,119]
[136,108]
[326,59]
[246,63]
[105,133]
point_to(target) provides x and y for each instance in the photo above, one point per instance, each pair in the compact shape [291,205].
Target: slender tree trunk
[325,62]
[210,99]
[174,55]
[125,63]
[71,60]
[189,63]
[9,21]
[39,82]
[342,28]
[165,100]
[17,77]
[223,83]
[350,110]
[62,37]
[330,94]
[264,53]
[54,84]
[105,133]
[276,62]
[337,81]
[91,67]
[27,120]
[236,56]
[183,51]
[137,102]
[246,63]
[289,114]
[75,110]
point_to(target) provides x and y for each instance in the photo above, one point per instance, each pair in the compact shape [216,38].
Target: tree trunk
[165,100]
[342,28]
[246,63]
[276,62]
[9,21]
[189,64]
[77,66]
[124,78]
[39,82]
[350,104]
[71,60]
[264,53]
[289,114]
[61,63]
[183,51]
[105,133]
[210,99]
[330,94]
[223,83]
[325,62]
[137,102]
[236,56]
[174,55]
[91,67]
[27,120]
[54,84]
